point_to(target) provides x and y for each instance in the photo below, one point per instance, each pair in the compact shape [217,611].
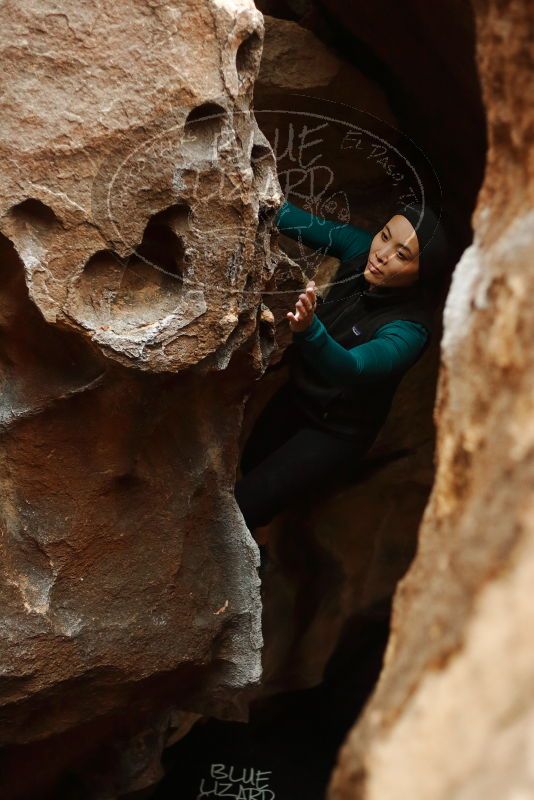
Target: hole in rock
[248,56]
[267,215]
[261,161]
[35,216]
[249,286]
[162,245]
[126,481]
[203,128]
[126,287]
[146,285]
[38,361]
[266,227]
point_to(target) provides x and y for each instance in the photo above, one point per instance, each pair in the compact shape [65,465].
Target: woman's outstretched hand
[304,309]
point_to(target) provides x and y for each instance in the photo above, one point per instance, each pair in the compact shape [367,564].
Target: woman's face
[394,254]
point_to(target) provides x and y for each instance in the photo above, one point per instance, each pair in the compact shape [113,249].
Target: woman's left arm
[394,347]
[342,240]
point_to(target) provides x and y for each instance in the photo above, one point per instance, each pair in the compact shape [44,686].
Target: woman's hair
[434,251]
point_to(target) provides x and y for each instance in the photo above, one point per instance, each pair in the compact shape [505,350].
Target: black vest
[352,311]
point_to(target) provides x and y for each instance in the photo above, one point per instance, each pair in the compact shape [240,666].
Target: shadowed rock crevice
[41,364]
[247,59]
[131,293]
[33,216]
[203,130]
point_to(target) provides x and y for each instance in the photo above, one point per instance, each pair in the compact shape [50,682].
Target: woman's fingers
[296,320]
[304,312]
[308,303]
[295,323]
[304,307]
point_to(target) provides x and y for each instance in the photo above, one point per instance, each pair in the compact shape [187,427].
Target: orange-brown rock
[133,260]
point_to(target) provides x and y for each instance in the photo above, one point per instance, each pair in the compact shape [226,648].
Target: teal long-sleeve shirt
[395,345]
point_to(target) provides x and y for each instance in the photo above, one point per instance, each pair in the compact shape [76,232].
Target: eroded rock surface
[131,190]
[137,195]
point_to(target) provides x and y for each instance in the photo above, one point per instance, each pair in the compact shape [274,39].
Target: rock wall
[452,716]
[137,191]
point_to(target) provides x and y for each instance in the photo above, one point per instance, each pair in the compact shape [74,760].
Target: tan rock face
[451,717]
[133,176]
[130,191]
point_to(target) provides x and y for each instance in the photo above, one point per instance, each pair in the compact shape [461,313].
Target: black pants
[287,459]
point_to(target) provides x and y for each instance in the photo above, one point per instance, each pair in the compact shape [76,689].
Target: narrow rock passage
[288,749]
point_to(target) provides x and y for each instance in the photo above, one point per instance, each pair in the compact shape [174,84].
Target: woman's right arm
[392,350]
[338,239]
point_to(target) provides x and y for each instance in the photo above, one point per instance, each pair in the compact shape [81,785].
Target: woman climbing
[348,354]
